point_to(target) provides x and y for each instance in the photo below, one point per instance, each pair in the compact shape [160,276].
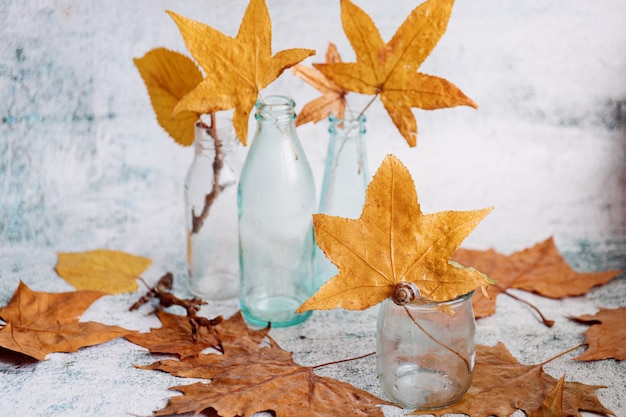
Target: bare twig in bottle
[218,163]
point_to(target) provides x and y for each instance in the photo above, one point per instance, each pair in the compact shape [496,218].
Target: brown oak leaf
[236,69]
[393,242]
[333,99]
[540,269]
[607,335]
[391,69]
[251,377]
[38,323]
[501,385]
[103,270]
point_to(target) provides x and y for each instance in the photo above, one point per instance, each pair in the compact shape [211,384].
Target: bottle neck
[207,138]
[351,125]
[278,110]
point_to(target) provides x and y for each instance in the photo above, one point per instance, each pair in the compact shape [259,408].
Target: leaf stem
[343,360]
[439,342]
[367,106]
[545,321]
[564,353]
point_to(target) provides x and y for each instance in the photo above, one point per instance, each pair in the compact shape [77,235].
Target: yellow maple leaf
[393,242]
[169,76]
[390,69]
[236,69]
[104,270]
[333,99]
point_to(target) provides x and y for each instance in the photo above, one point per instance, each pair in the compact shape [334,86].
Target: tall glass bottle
[276,202]
[346,177]
[211,211]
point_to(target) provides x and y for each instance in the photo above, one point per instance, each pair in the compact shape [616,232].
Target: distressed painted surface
[83,163]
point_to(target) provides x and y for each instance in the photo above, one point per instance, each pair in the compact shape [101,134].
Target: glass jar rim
[426,303]
[275,101]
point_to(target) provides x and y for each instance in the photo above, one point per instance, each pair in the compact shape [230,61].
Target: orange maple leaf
[333,99]
[236,69]
[390,69]
[540,269]
[38,323]
[393,242]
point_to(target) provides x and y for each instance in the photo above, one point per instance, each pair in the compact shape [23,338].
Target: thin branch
[343,360]
[440,343]
[367,106]
[216,189]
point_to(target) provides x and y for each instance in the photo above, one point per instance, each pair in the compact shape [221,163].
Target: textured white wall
[83,163]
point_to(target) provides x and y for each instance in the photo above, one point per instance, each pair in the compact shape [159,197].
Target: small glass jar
[346,176]
[425,352]
[276,203]
[211,211]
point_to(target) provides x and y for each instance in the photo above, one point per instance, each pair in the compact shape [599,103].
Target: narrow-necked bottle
[346,177]
[276,201]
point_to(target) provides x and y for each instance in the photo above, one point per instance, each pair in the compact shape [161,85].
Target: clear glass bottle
[212,245]
[425,352]
[276,202]
[346,176]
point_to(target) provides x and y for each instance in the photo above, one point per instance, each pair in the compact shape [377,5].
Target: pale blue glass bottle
[276,202]
[346,176]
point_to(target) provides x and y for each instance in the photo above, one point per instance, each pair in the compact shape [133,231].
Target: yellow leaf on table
[236,69]
[169,76]
[112,272]
[393,242]
[390,69]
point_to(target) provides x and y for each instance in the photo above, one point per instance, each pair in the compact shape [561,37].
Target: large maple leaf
[390,69]
[607,335]
[236,69]
[393,242]
[38,323]
[540,269]
[501,386]
[169,76]
[103,270]
[333,99]
[250,377]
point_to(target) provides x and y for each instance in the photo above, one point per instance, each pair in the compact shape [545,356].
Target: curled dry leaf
[38,323]
[236,69]
[501,386]
[607,335]
[169,76]
[251,377]
[103,270]
[390,69]
[540,269]
[393,242]
[333,99]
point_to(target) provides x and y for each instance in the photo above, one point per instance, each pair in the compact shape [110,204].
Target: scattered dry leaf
[390,69]
[38,323]
[552,406]
[607,335]
[540,269]
[236,69]
[169,76]
[250,378]
[113,272]
[333,99]
[175,337]
[501,385]
[393,242]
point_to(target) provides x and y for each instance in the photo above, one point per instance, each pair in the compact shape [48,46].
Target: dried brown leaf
[607,335]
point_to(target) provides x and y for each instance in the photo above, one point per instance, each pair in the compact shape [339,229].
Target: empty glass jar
[425,352]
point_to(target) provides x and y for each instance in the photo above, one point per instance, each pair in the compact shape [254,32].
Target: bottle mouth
[351,122]
[275,107]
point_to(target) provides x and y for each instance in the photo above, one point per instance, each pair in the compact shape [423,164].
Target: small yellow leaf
[108,271]
[393,242]
[237,68]
[169,76]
